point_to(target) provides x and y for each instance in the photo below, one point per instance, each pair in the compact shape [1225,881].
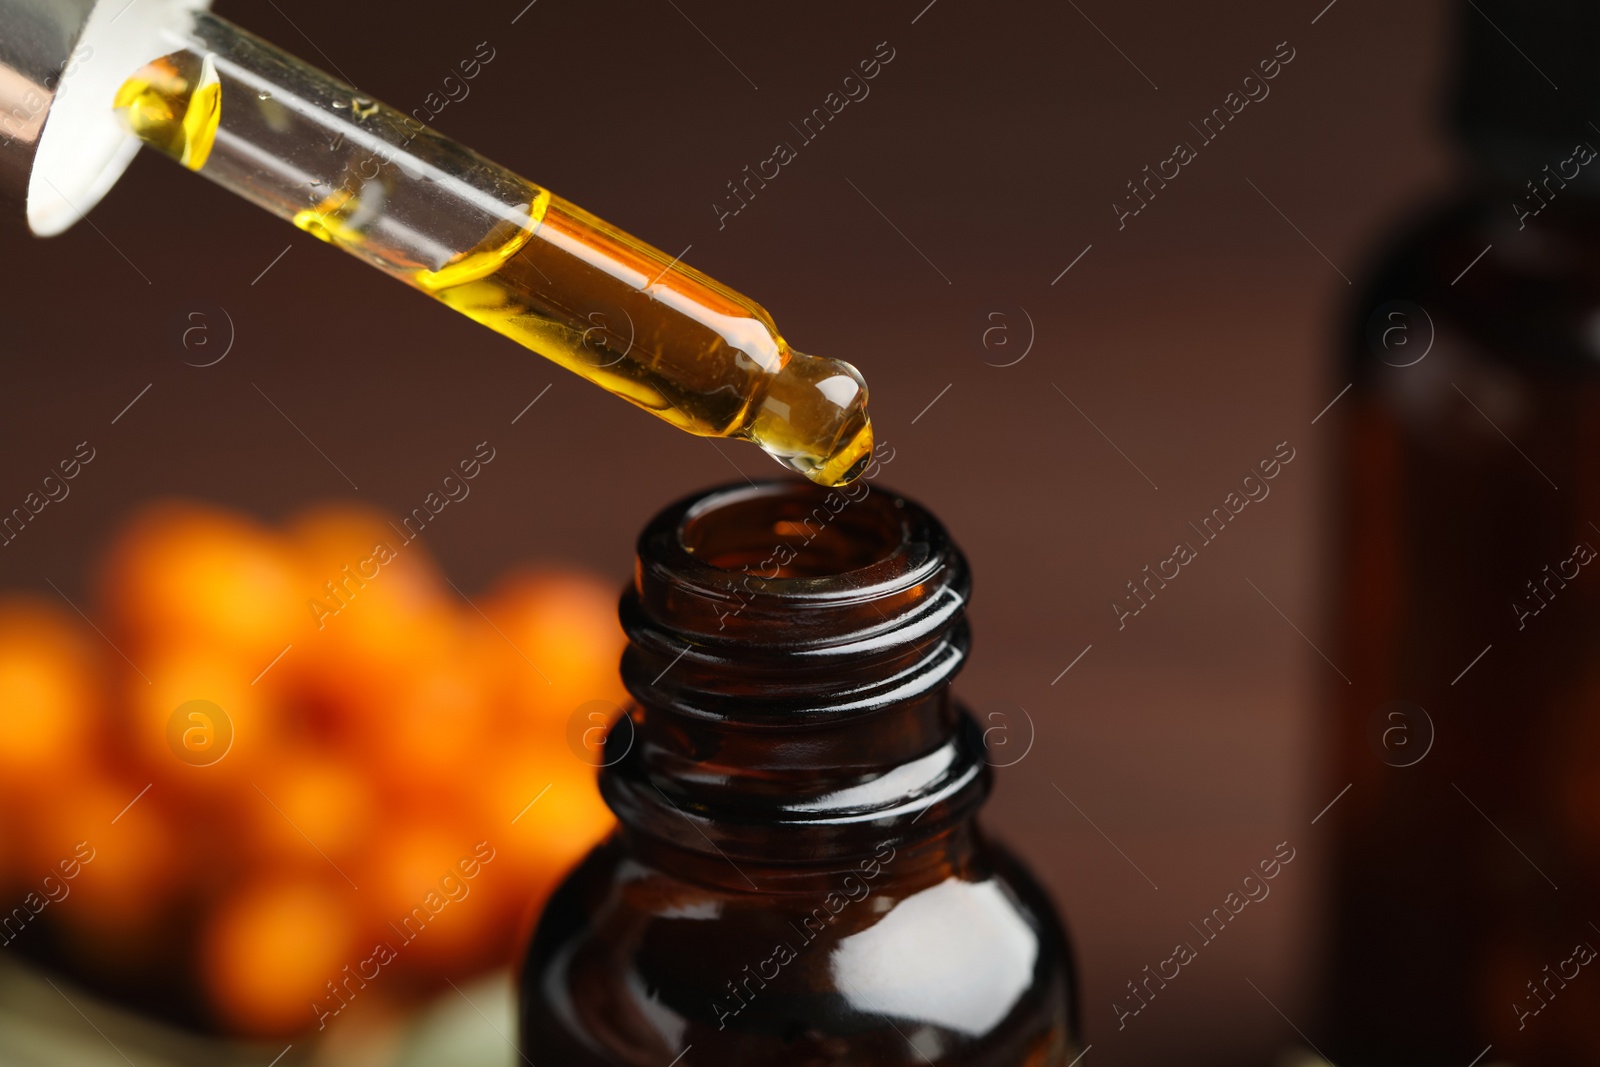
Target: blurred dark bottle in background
[1468,587]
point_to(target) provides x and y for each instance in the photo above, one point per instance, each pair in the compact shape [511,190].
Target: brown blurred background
[984,161]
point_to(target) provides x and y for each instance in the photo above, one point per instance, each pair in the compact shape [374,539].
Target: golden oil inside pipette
[632,341]
[570,287]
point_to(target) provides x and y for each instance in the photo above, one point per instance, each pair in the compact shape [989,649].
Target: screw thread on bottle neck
[790,652]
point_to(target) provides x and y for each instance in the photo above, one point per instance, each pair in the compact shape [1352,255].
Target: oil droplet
[340,105]
[264,95]
[175,104]
[330,219]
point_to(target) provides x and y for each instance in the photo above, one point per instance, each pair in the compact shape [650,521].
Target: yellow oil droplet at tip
[813,419]
[848,461]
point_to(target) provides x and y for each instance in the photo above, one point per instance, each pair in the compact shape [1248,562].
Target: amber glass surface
[1470,478]
[797,877]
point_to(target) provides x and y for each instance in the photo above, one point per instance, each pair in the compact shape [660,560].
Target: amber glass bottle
[1469,605]
[797,876]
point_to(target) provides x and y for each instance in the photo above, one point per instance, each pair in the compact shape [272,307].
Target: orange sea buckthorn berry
[202,575]
[566,641]
[50,696]
[270,951]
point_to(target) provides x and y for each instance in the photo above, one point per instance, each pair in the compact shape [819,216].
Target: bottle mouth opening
[790,566]
[794,529]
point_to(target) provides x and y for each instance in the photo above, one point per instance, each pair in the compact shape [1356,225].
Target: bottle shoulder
[1522,287]
[962,960]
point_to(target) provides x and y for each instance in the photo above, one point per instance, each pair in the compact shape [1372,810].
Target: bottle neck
[790,652]
[1535,171]
[1523,120]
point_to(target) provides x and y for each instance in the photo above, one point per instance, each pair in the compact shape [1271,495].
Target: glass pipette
[495,247]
